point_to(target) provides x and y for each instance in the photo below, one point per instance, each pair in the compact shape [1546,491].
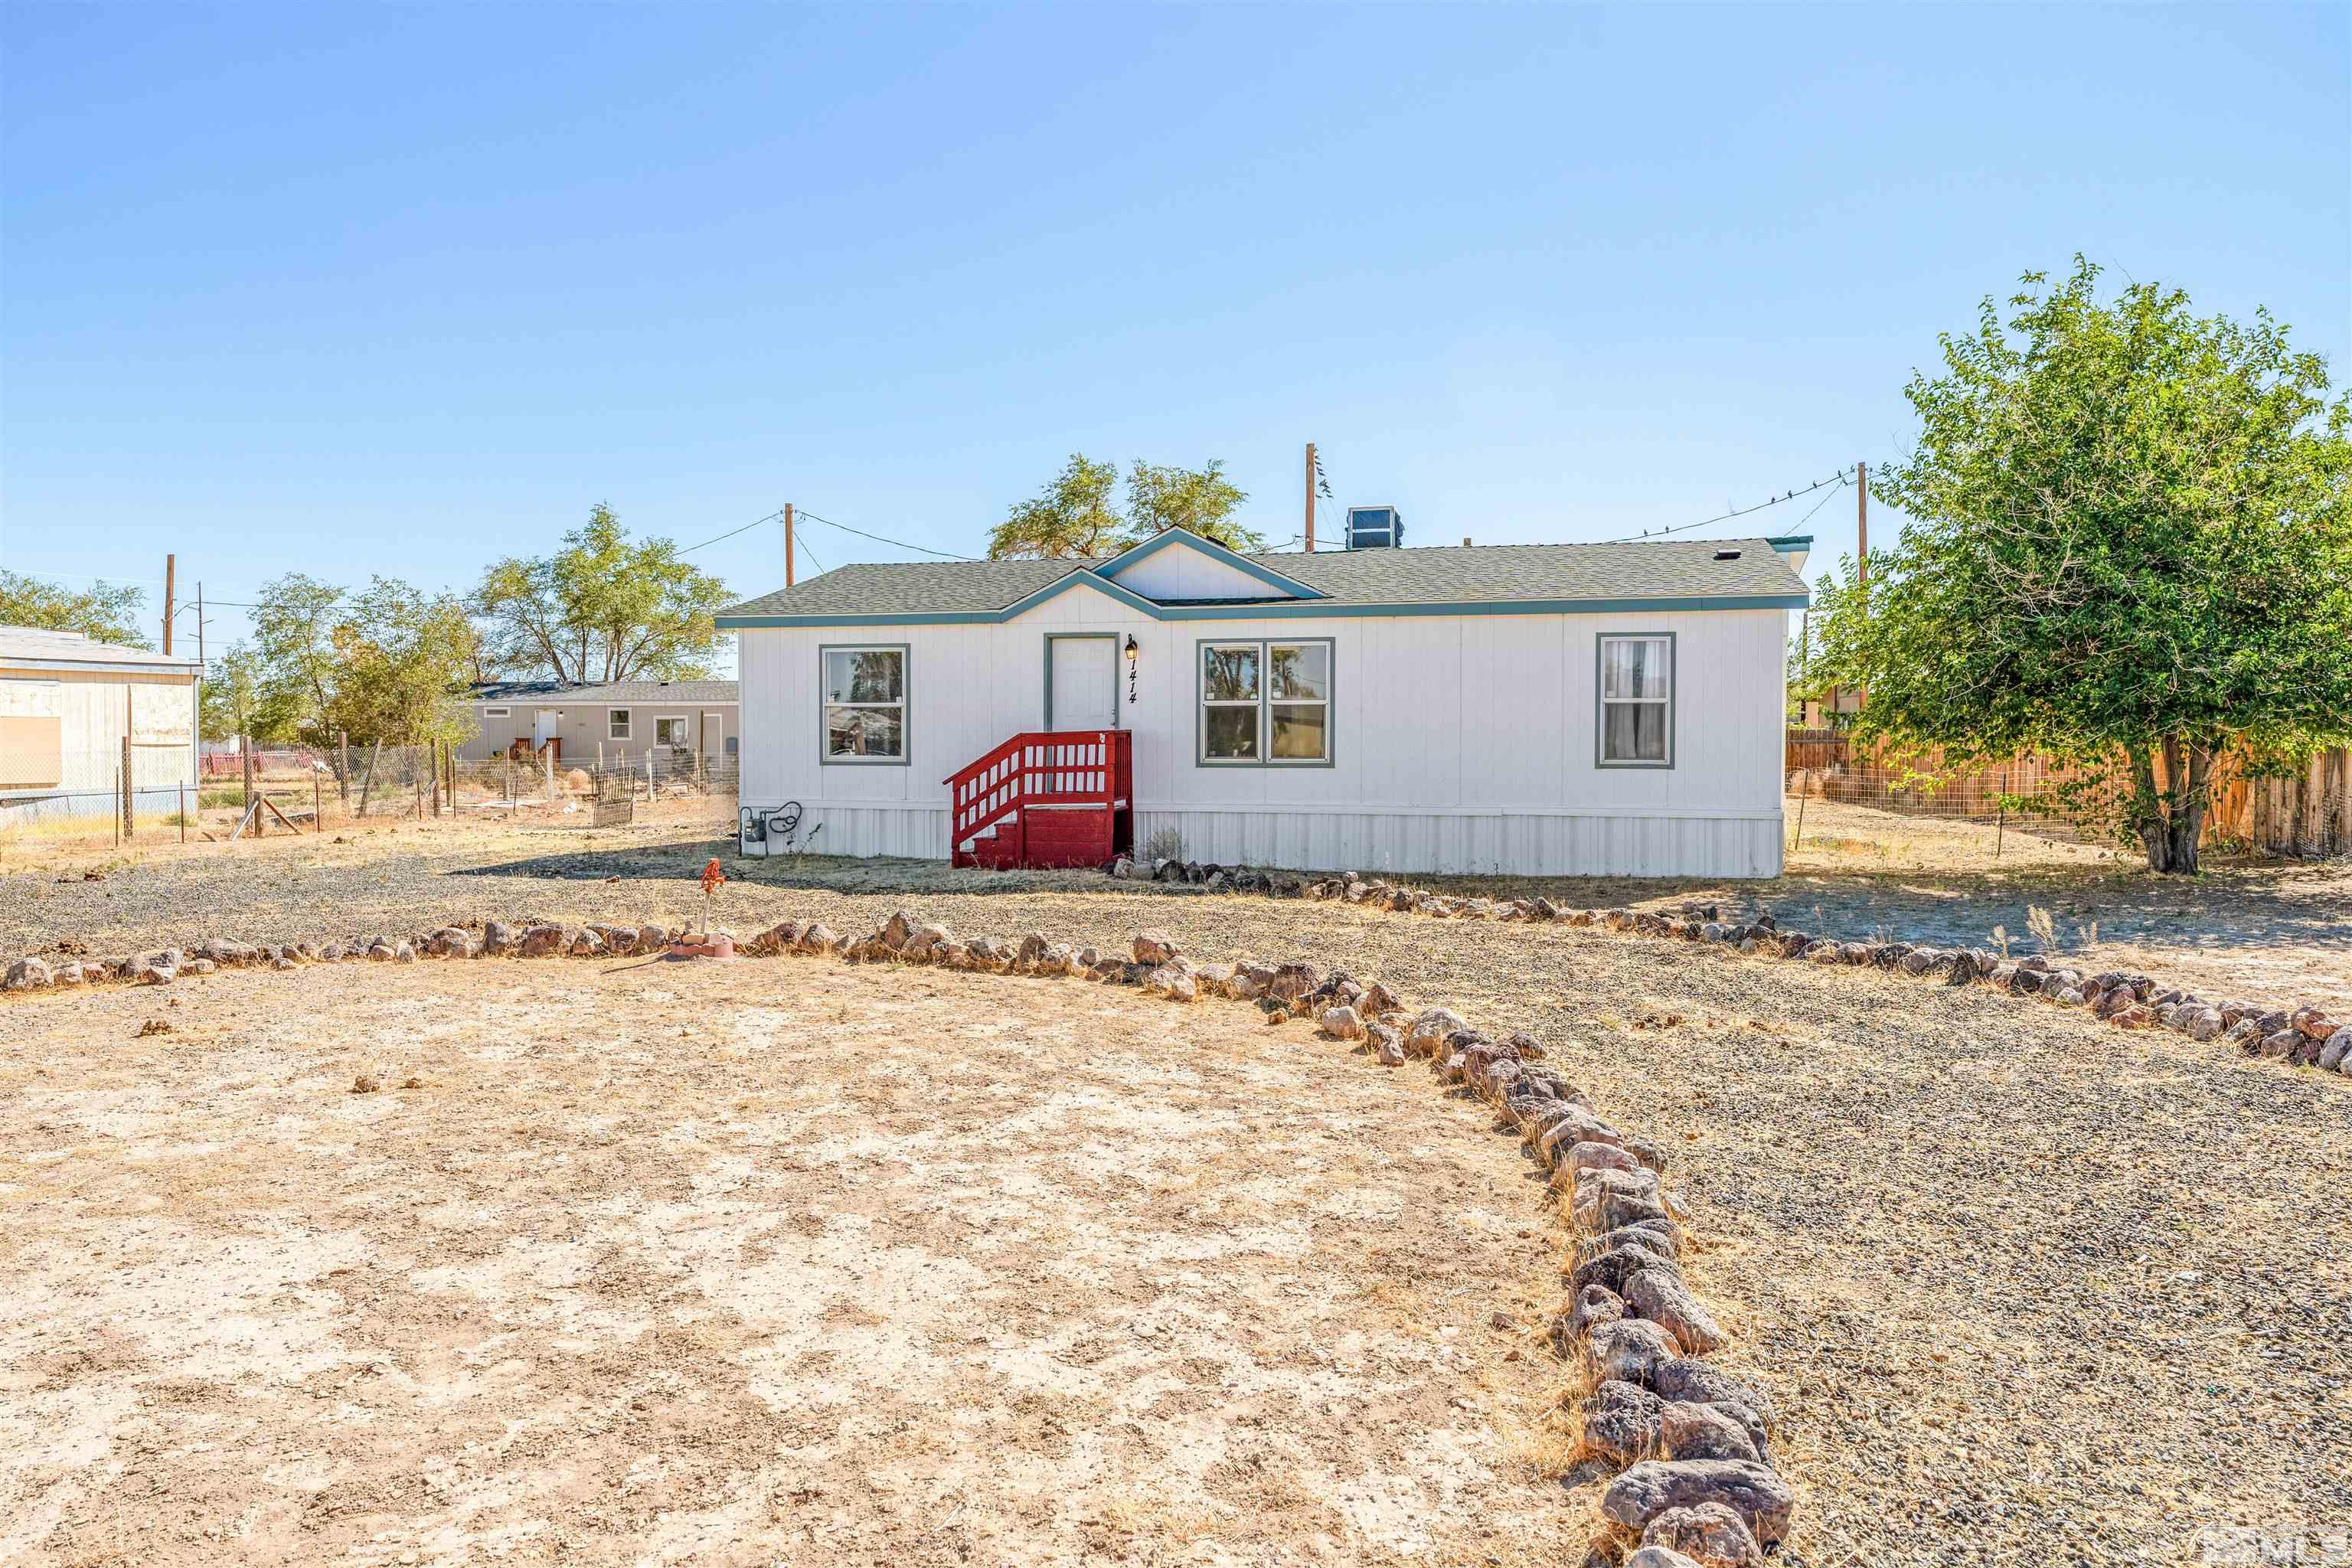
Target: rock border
[2300,1034]
[1690,1443]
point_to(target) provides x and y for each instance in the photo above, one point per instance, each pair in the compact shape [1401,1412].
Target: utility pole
[1862,521]
[1311,498]
[171,564]
[1862,543]
[788,545]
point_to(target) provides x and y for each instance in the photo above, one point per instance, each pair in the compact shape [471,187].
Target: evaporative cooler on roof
[1374,528]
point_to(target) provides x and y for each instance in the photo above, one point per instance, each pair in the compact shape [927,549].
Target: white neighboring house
[1609,709]
[67,703]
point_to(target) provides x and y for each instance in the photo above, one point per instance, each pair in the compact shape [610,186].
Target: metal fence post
[128,784]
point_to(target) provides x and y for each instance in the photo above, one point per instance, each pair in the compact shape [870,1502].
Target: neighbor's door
[1083,674]
[546,723]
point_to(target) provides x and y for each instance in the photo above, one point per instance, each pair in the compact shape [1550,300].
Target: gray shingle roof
[35,646]
[549,693]
[1419,574]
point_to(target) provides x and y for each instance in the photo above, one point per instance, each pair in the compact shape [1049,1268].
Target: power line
[1839,478]
[733,531]
[900,543]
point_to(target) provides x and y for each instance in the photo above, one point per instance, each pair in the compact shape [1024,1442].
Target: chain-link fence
[229,797]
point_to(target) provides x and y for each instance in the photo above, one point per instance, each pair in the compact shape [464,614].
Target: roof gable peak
[1203,570]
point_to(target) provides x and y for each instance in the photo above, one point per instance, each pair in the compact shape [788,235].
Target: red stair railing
[1039,767]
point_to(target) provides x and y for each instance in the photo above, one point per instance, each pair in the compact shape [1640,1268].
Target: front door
[545,725]
[1082,686]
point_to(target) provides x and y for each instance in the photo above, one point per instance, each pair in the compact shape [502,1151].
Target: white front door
[1083,673]
[544,724]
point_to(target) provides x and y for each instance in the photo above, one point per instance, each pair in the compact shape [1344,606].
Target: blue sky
[362,288]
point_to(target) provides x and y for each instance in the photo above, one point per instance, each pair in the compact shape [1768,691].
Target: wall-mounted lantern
[1134,652]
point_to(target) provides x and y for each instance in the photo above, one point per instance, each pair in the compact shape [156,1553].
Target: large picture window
[1266,703]
[1637,701]
[864,692]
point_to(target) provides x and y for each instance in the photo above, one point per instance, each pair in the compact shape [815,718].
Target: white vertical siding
[1460,743]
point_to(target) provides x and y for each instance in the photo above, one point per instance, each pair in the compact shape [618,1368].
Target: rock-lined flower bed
[1696,1483]
[2302,1036]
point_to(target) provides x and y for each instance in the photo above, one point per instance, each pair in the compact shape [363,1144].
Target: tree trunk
[2170,818]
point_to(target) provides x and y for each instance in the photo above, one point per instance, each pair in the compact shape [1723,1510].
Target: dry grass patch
[754,1263]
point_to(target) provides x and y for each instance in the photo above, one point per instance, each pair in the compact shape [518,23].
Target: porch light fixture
[1134,652]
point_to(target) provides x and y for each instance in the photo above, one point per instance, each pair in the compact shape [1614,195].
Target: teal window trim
[1110,638]
[1601,641]
[825,756]
[1265,702]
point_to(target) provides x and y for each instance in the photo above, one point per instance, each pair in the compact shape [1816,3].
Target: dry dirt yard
[773,1261]
[2027,1290]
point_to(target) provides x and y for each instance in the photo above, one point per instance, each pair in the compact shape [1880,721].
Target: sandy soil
[761,1262]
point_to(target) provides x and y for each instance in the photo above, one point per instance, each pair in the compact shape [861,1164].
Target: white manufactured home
[1556,710]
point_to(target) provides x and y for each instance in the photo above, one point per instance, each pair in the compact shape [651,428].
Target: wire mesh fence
[220,798]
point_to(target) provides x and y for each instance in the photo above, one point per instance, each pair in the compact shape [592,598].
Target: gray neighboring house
[619,721]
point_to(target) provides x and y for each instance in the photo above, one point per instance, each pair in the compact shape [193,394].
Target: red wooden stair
[1045,798]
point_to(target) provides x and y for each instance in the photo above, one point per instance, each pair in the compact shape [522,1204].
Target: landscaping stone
[1620,1421]
[1342,1023]
[538,942]
[28,974]
[1430,1030]
[2334,1051]
[1691,1431]
[1760,1498]
[1658,1557]
[1709,1533]
[1630,1349]
[1154,947]
[1659,1295]
[1686,1377]
[1595,1305]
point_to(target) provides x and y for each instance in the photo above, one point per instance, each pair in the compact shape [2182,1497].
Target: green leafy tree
[1200,499]
[103,612]
[402,658]
[231,694]
[2130,546]
[294,658]
[1071,520]
[604,607]
[389,664]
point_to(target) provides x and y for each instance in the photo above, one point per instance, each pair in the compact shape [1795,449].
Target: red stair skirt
[1045,798]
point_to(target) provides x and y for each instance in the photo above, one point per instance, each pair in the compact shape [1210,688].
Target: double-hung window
[1266,703]
[1637,701]
[865,691]
[616,723]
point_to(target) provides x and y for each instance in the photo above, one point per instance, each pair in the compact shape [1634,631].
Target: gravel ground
[2030,1289]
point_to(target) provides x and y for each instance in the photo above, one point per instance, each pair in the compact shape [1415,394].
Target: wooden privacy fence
[2309,815]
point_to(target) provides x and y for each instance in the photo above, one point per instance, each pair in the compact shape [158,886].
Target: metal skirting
[1508,843]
